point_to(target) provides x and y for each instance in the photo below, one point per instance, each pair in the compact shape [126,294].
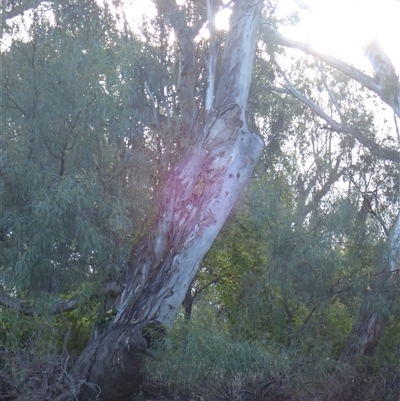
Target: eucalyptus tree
[93,123]
[384,84]
[62,125]
[274,271]
[194,202]
[77,176]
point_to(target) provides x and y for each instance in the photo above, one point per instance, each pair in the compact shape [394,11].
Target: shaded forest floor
[24,377]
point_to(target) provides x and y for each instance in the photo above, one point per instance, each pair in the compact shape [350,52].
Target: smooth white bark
[200,192]
[212,60]
[393,254]
[238,57]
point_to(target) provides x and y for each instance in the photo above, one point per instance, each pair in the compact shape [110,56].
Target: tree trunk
[370,324]
[112,363]
[373,316]
[188,303]
[193,206]
[377,304]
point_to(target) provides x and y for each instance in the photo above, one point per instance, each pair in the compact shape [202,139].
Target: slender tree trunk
[193,206]
[188,303]
[370,324]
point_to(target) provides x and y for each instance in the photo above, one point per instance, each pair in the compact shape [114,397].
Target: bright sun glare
[337,27]
[343,27]
[136,9]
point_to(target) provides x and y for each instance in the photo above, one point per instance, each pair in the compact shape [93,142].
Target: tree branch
[237,62]
[382,85]
[212,60]
[303,208]
[110,288]
[187,68]
[27,310]
[374,148]
[304,324]
[328,89]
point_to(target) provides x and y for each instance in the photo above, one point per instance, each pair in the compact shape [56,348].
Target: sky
[337,27]
[343,27]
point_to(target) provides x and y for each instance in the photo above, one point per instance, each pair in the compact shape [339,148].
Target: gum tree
[197,196]
[372,318]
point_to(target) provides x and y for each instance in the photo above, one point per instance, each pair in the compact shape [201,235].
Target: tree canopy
[120,144]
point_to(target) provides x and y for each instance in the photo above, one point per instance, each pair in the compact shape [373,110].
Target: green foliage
[73,191]
[202,350]
[90,126]
[70,194]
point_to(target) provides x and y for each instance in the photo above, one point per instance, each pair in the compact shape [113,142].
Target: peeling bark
[193,206]
[196,199]
[113,363]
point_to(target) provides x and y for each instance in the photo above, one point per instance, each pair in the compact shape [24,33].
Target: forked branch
[385,84]
[372,146]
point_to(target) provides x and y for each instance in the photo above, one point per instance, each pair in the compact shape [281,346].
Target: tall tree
[90,129]
[373,315]
[194,203]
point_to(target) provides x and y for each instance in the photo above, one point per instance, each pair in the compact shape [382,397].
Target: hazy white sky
[342,27]
[338,27]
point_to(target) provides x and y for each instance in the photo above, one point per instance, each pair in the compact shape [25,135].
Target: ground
[25,377]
